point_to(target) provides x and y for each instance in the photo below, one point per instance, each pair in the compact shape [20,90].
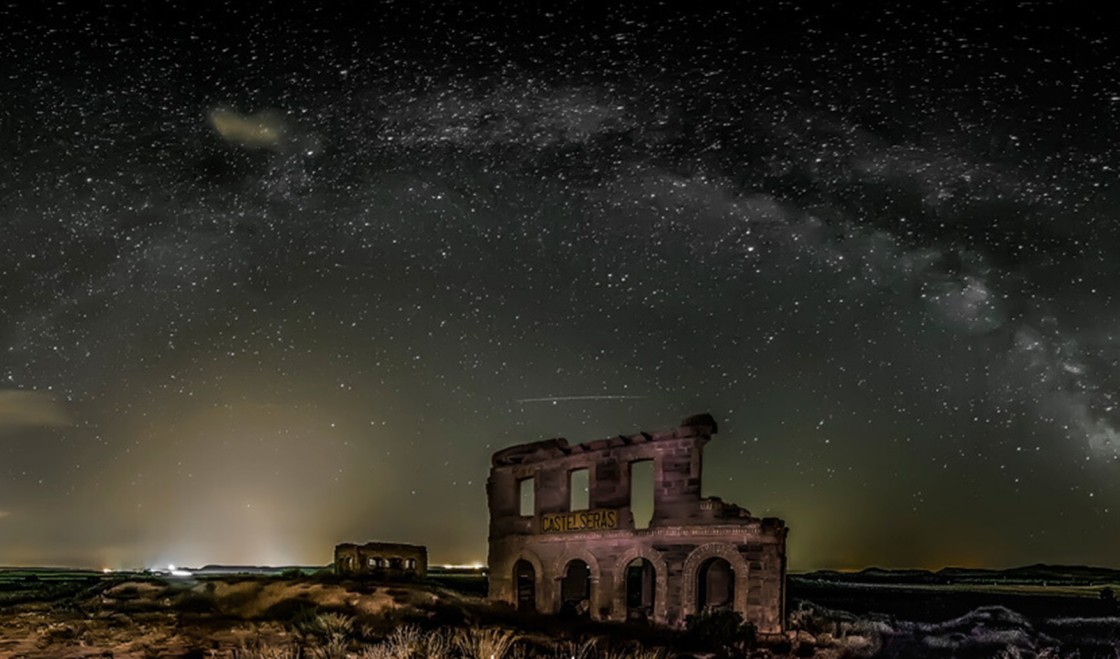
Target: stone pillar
[610,485]
[552,489]
[502,493]
[678,468]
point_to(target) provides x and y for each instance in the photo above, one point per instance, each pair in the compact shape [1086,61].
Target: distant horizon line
[478,566]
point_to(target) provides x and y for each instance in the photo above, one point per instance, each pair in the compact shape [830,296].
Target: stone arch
[582,554]
[691,571]
[660,591]
[541,593]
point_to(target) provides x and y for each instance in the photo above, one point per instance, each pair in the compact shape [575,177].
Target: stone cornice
[720,531]
[699,427]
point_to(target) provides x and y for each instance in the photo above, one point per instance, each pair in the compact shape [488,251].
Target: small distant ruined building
[556,547]
[385,560]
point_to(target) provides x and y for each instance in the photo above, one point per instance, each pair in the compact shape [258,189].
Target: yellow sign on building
[583,520]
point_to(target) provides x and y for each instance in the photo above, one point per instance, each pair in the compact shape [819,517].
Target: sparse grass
[267,652]
[333,648]
[484,643]
[411,642]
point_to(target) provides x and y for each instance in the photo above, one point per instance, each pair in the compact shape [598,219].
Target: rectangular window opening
[528,491]
[579,487]
[641,492]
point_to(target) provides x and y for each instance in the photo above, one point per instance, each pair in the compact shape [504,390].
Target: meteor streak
[557,399]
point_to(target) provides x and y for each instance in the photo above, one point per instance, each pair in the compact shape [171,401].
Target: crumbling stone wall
[696,553]
[386,560]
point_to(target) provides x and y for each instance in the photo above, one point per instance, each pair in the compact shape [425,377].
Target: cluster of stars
[881,259]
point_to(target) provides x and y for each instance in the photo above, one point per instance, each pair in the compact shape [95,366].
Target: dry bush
[334,625]
[440,645]
[333,648]
[62,632]
[635,653]
[380,651]
[485,642]
[327,625]
[584,649]
[267,652]
[406,642]
[410,642]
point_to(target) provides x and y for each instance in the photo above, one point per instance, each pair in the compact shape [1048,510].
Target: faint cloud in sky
[262,130]
[19,409]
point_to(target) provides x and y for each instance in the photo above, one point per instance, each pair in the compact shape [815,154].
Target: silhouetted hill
[1027,574]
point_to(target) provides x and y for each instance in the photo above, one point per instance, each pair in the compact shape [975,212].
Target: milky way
[272,281]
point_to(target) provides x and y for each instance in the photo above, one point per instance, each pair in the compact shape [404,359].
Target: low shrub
[291,611]
[193,602]
[720,631]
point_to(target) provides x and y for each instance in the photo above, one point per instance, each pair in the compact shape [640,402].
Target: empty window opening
[410,563]
[641,492]
[528,491]
[579,484]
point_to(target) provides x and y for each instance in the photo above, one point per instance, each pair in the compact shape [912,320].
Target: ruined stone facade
[384,560]
[695,554]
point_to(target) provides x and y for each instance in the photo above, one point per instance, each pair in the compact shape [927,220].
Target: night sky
[274,279]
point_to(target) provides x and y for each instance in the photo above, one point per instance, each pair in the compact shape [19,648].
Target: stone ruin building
[559,548]
[384,560]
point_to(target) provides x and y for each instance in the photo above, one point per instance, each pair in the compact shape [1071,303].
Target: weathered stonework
[385,560]
[697,553]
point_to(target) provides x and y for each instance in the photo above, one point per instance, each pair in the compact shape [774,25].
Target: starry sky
[273,278]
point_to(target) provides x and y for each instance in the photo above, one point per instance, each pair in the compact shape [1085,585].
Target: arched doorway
[641,580]
[525,585]
[715,587]
[575,589]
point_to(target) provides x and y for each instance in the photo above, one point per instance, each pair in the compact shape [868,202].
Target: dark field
[937,602]
[1043,613]
[1040,612]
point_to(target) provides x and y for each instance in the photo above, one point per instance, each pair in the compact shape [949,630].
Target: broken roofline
[396,546]
[698,426]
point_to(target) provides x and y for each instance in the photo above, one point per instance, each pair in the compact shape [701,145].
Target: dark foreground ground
[72,614]
[1038,592]
[937,604]
[1038,611]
